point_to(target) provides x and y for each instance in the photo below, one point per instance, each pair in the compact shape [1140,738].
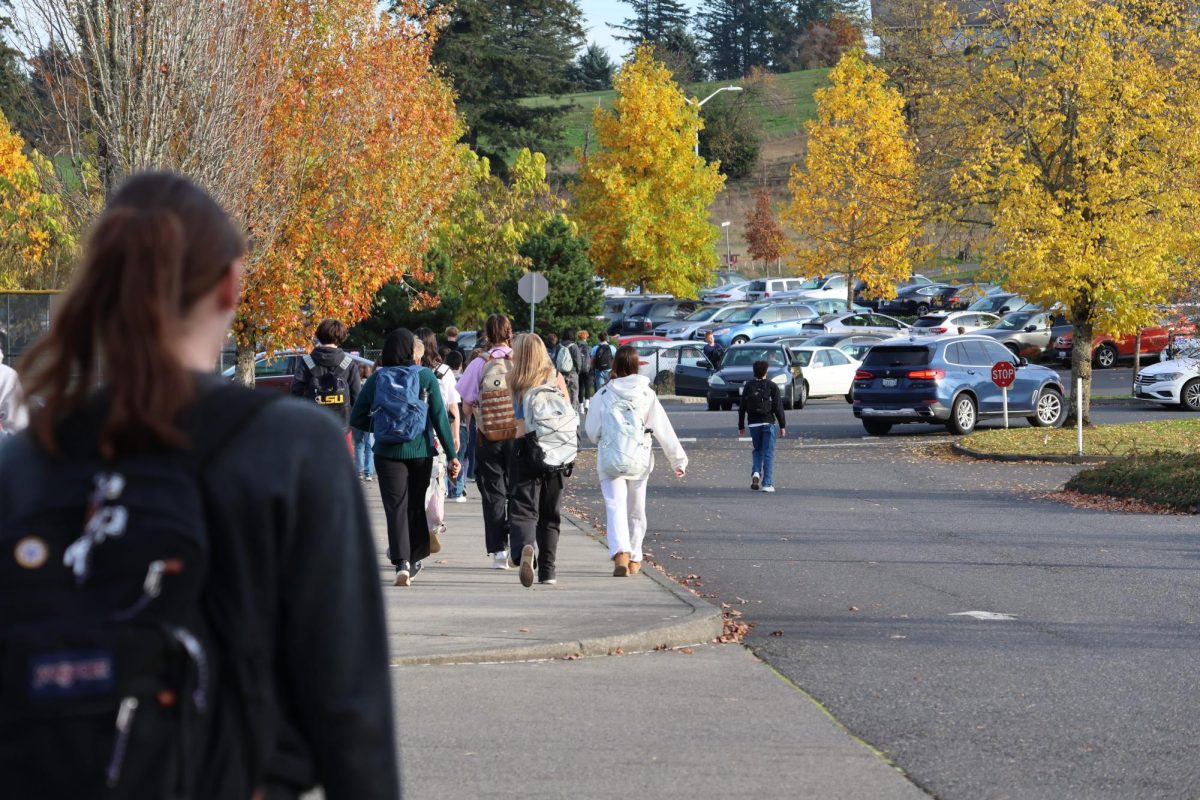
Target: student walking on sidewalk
[218,615]
[435,496]
[485,394]
[762,404]
[364,442]
[535,493]
[402,404]
[621,419]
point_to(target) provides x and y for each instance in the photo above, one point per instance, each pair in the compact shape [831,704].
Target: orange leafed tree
[357,170]
[764,236]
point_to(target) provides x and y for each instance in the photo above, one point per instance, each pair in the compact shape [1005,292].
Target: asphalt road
[856,575]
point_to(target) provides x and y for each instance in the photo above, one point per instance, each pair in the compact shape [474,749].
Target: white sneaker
[768,488]
[755,481]
[462,498]
[500,560]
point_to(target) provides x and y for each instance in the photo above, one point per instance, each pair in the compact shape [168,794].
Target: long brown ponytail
[160,246]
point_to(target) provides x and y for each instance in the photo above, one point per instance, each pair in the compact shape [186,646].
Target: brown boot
[635,567]
[621,565]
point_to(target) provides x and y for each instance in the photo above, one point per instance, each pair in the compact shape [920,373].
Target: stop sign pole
[1003,375]
[533,288]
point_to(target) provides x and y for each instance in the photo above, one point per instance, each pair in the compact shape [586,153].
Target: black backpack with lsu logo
[330,386]
[758,399]
[106,655]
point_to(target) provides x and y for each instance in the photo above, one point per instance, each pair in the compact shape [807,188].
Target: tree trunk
[244,374]
[1081,366]
[849,288]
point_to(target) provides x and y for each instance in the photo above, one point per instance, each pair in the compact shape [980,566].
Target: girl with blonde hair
[533,505]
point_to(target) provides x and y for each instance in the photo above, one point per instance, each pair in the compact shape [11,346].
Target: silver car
[689,327]
[856,322]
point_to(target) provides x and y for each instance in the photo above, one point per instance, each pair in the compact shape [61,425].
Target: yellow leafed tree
[643,198]
[36,243]
[854,202]
[1074,141]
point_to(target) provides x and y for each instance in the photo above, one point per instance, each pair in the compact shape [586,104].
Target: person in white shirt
[435,495]
[14,416]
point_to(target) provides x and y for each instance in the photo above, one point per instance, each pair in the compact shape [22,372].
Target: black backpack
[758,399]
[329,386]
[604,357]
[105,683]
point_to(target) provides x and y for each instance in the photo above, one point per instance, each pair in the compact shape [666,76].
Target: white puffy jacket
[636,390]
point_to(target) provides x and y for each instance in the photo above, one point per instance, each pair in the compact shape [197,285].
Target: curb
[677,398]
[1012,459]
[703,624]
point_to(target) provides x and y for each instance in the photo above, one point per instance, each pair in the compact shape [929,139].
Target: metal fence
[24,316]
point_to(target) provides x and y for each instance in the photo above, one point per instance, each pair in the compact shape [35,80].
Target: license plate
[889,381]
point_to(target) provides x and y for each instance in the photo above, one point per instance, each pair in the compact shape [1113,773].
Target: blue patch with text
[71,673]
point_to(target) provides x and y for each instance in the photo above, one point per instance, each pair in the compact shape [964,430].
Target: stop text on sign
[1003,374]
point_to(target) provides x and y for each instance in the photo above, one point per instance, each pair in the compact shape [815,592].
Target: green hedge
[1169,479]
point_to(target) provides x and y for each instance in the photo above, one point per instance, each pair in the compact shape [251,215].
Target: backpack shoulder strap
[346,362]
[308,362]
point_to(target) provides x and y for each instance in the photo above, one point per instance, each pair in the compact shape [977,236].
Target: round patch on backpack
[496,383]
[31,552]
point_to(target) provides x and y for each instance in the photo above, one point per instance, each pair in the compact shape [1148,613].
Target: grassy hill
[780,109]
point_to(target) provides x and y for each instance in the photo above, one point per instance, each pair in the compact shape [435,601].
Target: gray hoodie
[636,390]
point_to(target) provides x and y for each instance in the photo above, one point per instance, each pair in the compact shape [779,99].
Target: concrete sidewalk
[701,720]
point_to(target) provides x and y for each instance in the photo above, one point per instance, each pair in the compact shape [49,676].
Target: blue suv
[763,319]
[948,380]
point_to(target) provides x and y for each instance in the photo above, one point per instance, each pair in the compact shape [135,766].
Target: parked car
[854,345]
[999,303]
[656,358]
[855,322]
[616,307]
[1107,349]
[769,287]
[727,293]
[724,385]
[861,297]
[948,380]
[645,317]
[706,317]
[914,300]
[1175,381]
[960,298]
[939,324]
[764,319]
[828,372]
[1027,333]
[830,287]
[275,372]
[829,305]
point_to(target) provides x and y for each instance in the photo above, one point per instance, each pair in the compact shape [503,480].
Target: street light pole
[728,256]
[705,100]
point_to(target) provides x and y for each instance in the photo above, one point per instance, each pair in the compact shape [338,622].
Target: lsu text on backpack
[758,400]
[105,648]
[399,413]
[563,361]
[624,448]
[328,386]
[496,420]
[552,440]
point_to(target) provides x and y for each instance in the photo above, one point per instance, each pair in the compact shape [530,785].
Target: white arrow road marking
[990,615]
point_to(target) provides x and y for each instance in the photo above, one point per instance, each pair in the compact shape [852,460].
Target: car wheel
[850,397]
[1189,396]
[714,405]
[877,427]
[802,401]
[727,405]
[1049,410]
[922,309]
[741,339]
[789,402]
[1106,357]
[963,415]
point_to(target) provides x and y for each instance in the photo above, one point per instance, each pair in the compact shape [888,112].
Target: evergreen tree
[738,35]
[653,21]
[593,70]
[498,53]
[560,254]
[729,137]
[15,91]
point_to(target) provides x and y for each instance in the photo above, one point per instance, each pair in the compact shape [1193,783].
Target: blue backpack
[400,413]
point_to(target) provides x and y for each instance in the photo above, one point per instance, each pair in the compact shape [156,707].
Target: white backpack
[624,449]
[552,430]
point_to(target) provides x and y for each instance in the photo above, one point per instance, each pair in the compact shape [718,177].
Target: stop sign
[1003,374]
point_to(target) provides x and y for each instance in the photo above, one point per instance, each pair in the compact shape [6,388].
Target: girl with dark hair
[435,495]
[621,419]
[207,574]
[404,469]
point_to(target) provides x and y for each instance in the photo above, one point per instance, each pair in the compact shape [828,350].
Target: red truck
[1107,350]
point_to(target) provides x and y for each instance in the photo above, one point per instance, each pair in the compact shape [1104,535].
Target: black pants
[402,486]
[491,479]
[533,511]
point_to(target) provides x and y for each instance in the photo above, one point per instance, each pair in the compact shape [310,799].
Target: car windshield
[802,357]
[929,322]
[811,283]
[746,356]
[742,315]
[1014,321]
[903,356]
[702,315]
[640,309]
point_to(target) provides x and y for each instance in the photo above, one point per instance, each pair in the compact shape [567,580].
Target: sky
[598,13]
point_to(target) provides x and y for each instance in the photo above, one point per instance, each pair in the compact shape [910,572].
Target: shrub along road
[859,574]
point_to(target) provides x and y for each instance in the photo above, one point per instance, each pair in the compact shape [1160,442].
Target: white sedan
[949,323]
[827,371]
[729,293]
[656,358]
[1173,382]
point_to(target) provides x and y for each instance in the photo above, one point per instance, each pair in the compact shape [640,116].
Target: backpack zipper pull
[125,714]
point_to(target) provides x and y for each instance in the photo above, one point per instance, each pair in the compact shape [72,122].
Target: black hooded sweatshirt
[329,358]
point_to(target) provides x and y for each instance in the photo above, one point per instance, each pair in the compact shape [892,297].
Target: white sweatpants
[625,507]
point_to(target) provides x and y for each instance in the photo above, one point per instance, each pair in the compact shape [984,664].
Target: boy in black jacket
[763,404]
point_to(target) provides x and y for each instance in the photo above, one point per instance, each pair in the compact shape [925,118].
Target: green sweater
[360,417]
